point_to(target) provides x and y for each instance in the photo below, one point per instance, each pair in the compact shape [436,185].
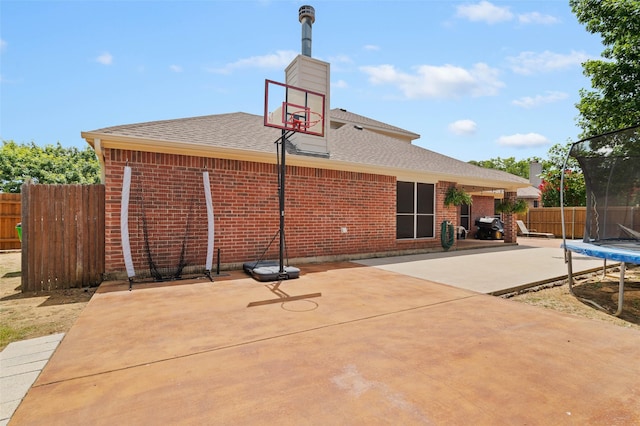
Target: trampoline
[611,166]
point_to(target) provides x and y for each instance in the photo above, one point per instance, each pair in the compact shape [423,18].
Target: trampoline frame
[605,252]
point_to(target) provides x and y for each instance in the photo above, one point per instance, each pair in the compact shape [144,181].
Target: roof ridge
[341,114]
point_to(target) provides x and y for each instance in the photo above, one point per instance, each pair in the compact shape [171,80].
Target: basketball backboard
[293,108]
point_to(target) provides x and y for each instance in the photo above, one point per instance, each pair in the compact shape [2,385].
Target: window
[465,215]
[496,214]
[415,210]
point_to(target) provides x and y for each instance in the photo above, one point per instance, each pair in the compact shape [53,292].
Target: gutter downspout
[97,146]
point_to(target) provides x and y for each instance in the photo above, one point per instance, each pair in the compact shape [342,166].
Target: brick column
[449,213]
[510,226]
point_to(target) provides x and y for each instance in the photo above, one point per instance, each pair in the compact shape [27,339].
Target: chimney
[310,74]
[535,170]
[306,16]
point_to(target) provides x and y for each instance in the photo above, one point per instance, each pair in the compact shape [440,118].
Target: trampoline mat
[627,251]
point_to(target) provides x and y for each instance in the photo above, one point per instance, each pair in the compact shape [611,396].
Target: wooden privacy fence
[549,219]
[9,218]
[62,236]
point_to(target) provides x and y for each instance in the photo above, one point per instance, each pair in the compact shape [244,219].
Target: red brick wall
[481,206]
[167,193]
[445,213]
[321,202]
[449,213]
[510,225]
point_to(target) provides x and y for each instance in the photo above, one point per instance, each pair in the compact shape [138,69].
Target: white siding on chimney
[535,170]
[314,75]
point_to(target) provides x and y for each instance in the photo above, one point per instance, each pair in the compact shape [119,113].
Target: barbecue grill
[489,228]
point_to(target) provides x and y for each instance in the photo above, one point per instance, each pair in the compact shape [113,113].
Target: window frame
[466,216]
[417,217]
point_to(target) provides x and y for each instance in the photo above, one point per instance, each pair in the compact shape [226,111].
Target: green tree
[552,169]
[49,164]
[614,102]
[509,165]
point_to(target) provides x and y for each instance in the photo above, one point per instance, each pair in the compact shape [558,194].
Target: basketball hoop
[294,109]
[299,120]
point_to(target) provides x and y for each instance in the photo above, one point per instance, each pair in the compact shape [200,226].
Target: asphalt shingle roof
[349,144]
[342,115]
[529,192]
[233,130]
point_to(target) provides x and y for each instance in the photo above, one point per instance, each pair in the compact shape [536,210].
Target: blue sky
[476,79]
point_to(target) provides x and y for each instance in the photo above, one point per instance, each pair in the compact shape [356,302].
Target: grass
[9,334]
[31,314]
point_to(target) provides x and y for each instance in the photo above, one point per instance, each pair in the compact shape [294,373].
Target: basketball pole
[291,115]
[281,196]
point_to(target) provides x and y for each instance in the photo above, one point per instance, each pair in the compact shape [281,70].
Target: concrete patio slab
[491,270]
[377,347]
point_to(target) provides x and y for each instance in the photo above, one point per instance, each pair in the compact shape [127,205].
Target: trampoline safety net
[611,166]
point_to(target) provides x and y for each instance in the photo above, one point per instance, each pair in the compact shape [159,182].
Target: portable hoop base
[268,270]
[272,273]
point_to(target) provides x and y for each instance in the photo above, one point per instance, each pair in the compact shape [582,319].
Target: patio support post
[448,213]
[510,225]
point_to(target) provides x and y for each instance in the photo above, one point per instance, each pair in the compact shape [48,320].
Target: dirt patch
[34,314]
[600,289]
[28,315]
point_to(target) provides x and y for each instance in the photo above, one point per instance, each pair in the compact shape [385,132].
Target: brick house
[368,192]
[531,195]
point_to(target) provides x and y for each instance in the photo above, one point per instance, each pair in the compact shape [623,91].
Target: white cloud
[531,102]
[537,18]
[3,45]
[105,59]
[446,81]
[527,63]
[371,47]
[340,84]
[523,141]
[175,68]
[277,60]
[340,59]
[484,12]
[463,127]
